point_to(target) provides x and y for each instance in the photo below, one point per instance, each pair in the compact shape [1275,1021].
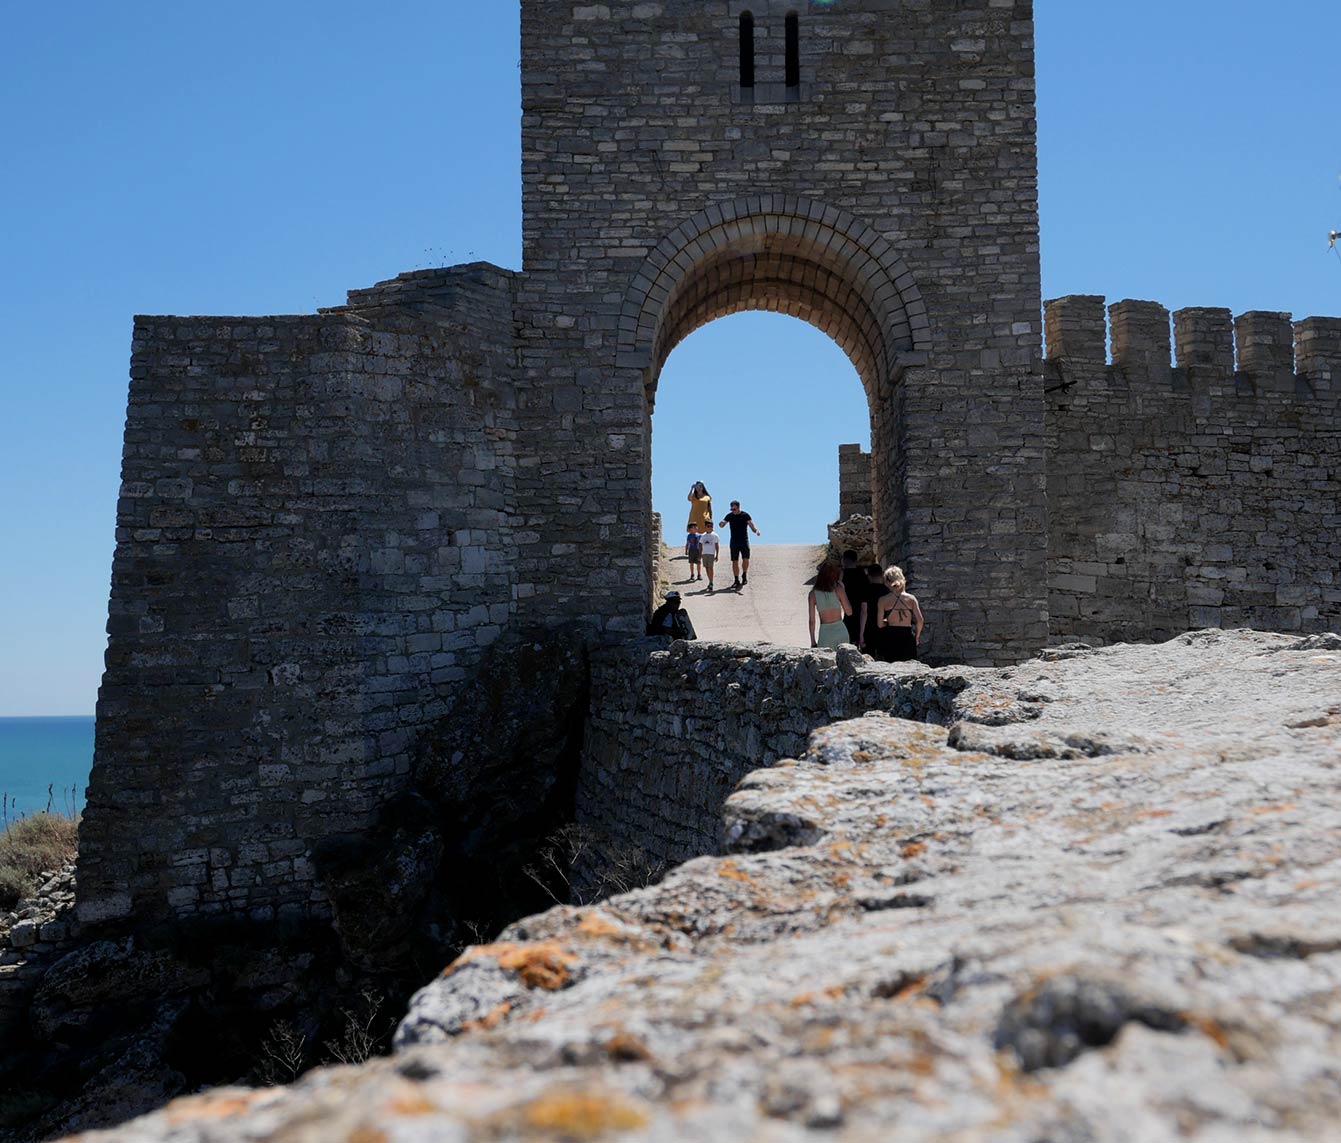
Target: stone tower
[867,166]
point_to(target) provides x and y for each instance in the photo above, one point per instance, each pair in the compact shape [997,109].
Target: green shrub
[31,845]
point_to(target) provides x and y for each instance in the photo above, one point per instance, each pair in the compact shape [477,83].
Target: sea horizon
[45,760]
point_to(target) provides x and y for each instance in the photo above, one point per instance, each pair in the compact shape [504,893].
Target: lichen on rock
[916,936]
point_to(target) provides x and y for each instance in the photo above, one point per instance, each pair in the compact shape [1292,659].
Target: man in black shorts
[741,525]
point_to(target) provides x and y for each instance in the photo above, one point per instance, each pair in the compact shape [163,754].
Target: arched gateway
[867,167]
[793,256]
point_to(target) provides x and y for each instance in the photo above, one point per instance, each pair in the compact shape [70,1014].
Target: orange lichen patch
[833,992]
[1151,814]
[922,1064]
[222,1104]
[1209,1028]
[412,1103]
[594,924]
[626,1048]
[913,849]
[578,1115]
[1283,807]
[366,1135]
[730,870]
[490,1019]
[540,964]
[902,988]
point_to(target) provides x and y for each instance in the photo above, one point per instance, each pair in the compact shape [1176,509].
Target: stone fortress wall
[327,521]
[854,482]
[313,547]
[1206,494]
[671,730]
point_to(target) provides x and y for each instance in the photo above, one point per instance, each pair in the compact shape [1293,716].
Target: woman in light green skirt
[829,603]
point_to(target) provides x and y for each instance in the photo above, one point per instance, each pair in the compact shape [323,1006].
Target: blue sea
[37,753]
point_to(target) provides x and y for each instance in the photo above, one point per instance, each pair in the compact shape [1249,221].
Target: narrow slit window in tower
[747,50]
[793,50]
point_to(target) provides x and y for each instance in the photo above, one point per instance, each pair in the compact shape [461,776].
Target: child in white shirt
[709,545]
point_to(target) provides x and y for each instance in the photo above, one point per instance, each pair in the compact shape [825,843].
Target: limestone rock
[919,939]
[856,533]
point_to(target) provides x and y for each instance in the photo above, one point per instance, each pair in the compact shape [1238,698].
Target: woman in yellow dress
[700,506]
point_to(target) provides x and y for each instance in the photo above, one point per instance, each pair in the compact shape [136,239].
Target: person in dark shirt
[670,619]
[854,586]
[874,642]
[741,525]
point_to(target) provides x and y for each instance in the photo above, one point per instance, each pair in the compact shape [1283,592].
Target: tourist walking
[693,550]
[741,525]
[671,619]
[899,618]
[829,603]
[854,583]
[700,506]
[709,545]
[873,640]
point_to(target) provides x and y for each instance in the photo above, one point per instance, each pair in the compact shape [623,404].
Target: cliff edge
[1099,906]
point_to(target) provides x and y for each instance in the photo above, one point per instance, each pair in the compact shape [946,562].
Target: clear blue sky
[263,158]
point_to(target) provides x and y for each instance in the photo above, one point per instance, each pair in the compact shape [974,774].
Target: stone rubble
[38,930]
[853,533]
[1101,907]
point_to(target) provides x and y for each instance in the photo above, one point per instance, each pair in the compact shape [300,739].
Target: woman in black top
[899,617]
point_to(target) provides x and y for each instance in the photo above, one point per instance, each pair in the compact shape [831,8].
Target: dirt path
[771,608]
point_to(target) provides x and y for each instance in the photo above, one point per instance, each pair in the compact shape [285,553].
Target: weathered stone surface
[100,981]
[672,730]
[855,534]
[910,941]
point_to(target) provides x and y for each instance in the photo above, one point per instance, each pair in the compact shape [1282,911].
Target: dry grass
[32,845]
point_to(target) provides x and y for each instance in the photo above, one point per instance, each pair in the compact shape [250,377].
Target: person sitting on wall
[671,620]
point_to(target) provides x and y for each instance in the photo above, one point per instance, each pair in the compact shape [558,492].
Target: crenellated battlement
[1193,479]
[1203,350]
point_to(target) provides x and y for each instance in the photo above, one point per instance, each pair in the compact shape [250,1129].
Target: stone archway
[798,257]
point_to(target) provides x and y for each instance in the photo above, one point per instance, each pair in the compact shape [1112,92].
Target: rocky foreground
[1104,905]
